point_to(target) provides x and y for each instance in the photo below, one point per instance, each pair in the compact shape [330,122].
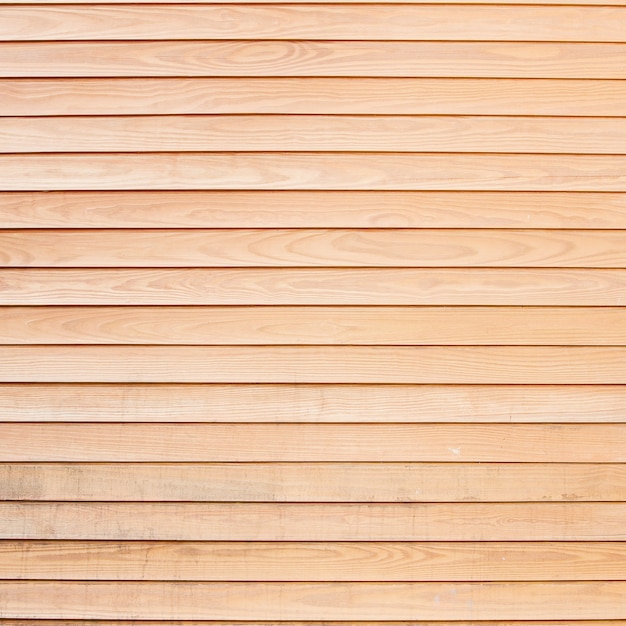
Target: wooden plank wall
[313,313]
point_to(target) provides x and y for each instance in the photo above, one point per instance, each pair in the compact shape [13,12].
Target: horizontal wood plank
[306,209]
[315,364]
[486,443]
[109,622]
[314,325]
[312,403]
[313,58]
[312,561]
[314,286]
[314,482]
[542,135]
[314,601]
[317,22]
[313,171]
[385,96]
[322,248]
[546,521]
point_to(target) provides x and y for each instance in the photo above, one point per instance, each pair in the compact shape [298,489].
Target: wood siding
[313,314]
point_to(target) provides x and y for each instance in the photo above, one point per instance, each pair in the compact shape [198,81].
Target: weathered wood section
[313,313]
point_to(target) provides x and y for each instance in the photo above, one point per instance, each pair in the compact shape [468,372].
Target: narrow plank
[376,2]
[321,248]
[313,171]
[313,58]
[384,96]
[306,209]
[317,325]
[108,622]
[312,403]
[314,482]
[315,364]
[485,443]
[312,561]
[542,135]
[317,22]
[314,601]
[571,521]
[314,286]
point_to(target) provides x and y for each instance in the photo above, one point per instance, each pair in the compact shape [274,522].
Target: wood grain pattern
[314,601]
[321,248]
[546,521]
[486,443]
[306,209]
[543,135]
[317,22]
[313,170]
[314,325]
[314,286]
[313,58]
[312,561]
[313,482]
[312,403]
[315,364]
[384,96]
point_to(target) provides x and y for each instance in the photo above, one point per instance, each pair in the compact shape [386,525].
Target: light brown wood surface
[314,286]
[316,364]
[175,521]
[315,601]
[313,482]
[314,325]
[313,58]
[307,209]
[314,247]
[314,132]
[312,561]
[310,95]
[551,443]
[319,21]
[313,171]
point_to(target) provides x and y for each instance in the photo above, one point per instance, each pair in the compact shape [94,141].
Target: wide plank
[538,365]
[317,325]
[313,482]
[306,209]
[314,286]
[385,96]
[317,22]
[313,58]
[322,248]
[312,403]
[312,561]
[313,171]
[545,521]
[485,443]
[314,601]
[541,135]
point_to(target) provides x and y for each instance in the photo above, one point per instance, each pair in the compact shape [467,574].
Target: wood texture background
[313,314]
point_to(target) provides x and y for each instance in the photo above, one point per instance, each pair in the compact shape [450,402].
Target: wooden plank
[480,365]
[108,622]
[318,325]
[314,286]
[571,521]
[313,171]
[485,443]
[313,58]
[542,135]
[314,482]
[305,209]
[305,2]
[385,96]
[317,22]
[314,601]
[314,248]
[312,403]
[312,561]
